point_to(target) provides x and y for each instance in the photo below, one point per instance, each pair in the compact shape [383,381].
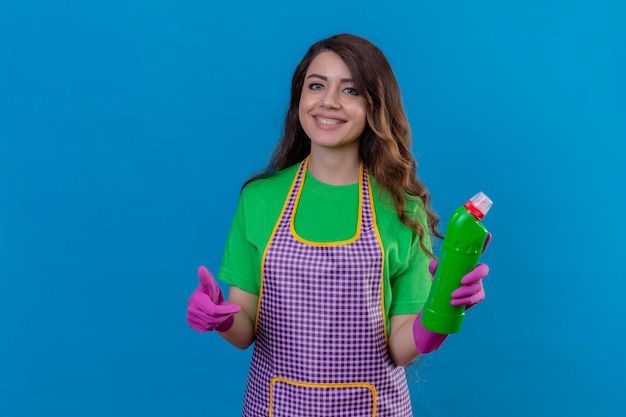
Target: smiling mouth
[326,121]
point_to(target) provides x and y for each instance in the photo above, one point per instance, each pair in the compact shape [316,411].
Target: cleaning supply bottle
[463,244]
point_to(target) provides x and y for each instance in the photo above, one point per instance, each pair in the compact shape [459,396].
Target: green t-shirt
[327,213]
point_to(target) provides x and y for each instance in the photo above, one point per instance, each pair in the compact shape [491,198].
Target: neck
[335,167]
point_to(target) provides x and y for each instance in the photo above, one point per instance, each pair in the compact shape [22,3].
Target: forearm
[409,339]
[402,349]
[241,334]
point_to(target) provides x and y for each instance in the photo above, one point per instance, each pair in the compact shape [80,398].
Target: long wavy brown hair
[385,145]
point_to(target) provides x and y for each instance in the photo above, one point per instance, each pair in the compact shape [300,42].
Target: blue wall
[127,128]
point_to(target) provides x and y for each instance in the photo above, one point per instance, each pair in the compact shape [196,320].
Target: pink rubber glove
[207,310]
[470,293]
[425,340]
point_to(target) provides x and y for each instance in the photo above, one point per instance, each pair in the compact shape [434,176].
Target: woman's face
[332,112]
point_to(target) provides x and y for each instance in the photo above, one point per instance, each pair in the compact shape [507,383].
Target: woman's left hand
[471,292]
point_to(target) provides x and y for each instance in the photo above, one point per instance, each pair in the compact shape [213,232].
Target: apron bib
[321,345]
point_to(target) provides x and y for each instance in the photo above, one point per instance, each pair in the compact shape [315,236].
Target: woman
[328,255]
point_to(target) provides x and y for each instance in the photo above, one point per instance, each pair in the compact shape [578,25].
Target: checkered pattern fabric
[320,347]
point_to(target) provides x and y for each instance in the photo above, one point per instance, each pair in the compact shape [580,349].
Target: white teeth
[327,121]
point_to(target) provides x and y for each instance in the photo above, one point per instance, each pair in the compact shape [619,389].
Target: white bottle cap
[479,205]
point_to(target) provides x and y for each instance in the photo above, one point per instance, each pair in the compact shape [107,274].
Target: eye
[315,86]
[351,90]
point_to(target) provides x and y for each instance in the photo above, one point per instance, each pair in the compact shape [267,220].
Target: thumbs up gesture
[206,309]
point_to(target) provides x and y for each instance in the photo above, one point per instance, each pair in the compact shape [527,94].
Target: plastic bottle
[462,246]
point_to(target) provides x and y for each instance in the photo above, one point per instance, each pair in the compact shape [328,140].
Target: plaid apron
[321,345]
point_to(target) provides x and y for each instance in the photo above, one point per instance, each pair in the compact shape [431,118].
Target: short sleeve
[411,282]
[239,261]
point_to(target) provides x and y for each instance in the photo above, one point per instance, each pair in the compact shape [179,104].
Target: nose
[330,99]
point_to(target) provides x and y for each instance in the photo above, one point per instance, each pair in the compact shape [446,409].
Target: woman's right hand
[207,310]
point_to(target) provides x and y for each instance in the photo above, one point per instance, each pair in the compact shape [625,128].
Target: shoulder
[277,183]
[267,195]
[414,206]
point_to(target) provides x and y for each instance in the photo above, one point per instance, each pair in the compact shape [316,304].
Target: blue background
[127,128]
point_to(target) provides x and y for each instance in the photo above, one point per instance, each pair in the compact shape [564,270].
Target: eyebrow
[325,78]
